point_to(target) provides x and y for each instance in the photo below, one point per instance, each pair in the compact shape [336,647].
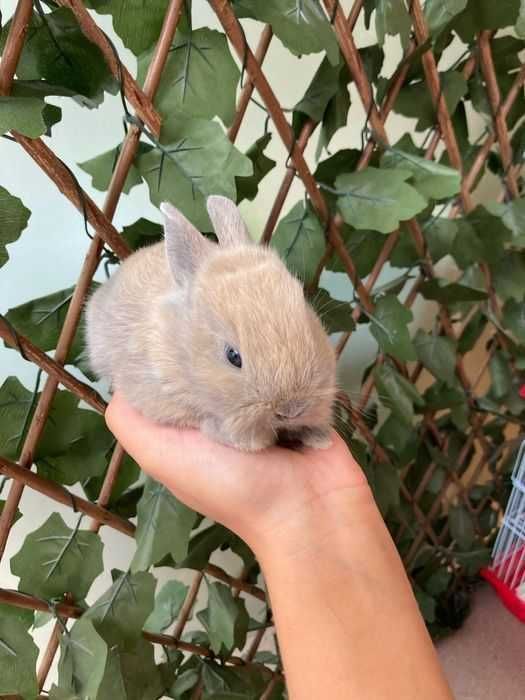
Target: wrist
[333,520]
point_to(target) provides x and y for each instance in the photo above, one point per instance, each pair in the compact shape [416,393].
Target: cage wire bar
[142,102]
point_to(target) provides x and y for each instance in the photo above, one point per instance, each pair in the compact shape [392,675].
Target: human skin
[347,621]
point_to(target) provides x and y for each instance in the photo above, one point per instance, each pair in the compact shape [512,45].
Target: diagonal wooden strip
[62,495]
[30,352]
[141,103]
[14,44]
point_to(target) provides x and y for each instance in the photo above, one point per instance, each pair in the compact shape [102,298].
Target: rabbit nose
[289,410]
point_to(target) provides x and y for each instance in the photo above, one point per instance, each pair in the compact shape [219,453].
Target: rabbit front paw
[247,442]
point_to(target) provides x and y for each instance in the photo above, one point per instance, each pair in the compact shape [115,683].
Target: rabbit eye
[233,356]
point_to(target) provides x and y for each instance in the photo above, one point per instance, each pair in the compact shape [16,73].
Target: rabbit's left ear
[227,222]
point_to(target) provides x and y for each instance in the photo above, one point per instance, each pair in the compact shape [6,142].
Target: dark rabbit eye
[233,356]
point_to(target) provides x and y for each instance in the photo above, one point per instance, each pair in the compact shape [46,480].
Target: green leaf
[512,213]
[167,606]
[473,561]
[222,617]
[12,612]
[385,483]
[485,14]
[449,293]
[18,655]
[141,678]
[508,276]
[247,187]
[101,169]
[439,13]
[472,332]
[301,25]
[57,50]
[41,320]
[440,234]
[500,375]
[415,101]
[461,527]
[13,220]
[198,160]
[397,393]
[83,658]
[205,542]
[28,115]
[438,354]
[75,444]
[377,199]
[142,233]
[55,560]
[389,326]
[364,248]
[336,315]
[17,405]
[392,18]
[300,241]
[323,87]
[199,79]
[432,180]
[427,604]
[513,318]
[137,24]
[163,527]
[120,613]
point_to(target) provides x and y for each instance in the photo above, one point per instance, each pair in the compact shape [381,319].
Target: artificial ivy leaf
[336,315]
[55,560]
[301,25]
[197,160]
[204,543]
[508,274]
[364,248]
[395,435]
[28,115]
[141,678]
[163,527]
[344,161]
[41,320]
[199,79]
[120,613]
[83,658]
[430,179]
[512,213]
[167,606]
[13,220]
[448,293]
[471,332]
[12,612]
[500,375]
[300,241]
[222,618]
[18,655]
[439,13]
[323,87]
[389,326]
[438,354]
[513,318]
[16,409]
[415,101]
[142,233]
[392,18]
[136,23]
[461,527]
[385,483]
[440,234]
[75,444]
[101,169]
[57,51]
[485,14]
[473,561]
[377,199]
[427,604]
[247,187]
[397,393]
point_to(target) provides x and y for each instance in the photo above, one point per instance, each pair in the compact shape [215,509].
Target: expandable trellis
[454,486]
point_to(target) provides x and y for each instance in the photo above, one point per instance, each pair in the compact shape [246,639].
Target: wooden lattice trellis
[141,101]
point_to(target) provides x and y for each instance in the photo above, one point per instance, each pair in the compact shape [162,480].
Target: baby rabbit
[218,337]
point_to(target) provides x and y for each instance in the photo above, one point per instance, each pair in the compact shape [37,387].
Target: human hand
[276,492]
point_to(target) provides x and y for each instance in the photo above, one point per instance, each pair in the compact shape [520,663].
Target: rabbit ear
[227,221]
[185,245]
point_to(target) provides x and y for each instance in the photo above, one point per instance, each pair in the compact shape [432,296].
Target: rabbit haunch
[166,326]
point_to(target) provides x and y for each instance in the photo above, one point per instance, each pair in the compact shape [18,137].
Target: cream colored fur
[159,327]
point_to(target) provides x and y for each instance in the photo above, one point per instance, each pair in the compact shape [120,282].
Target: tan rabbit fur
[160,330]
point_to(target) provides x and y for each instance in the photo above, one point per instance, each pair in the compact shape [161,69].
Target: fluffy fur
[159,327]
